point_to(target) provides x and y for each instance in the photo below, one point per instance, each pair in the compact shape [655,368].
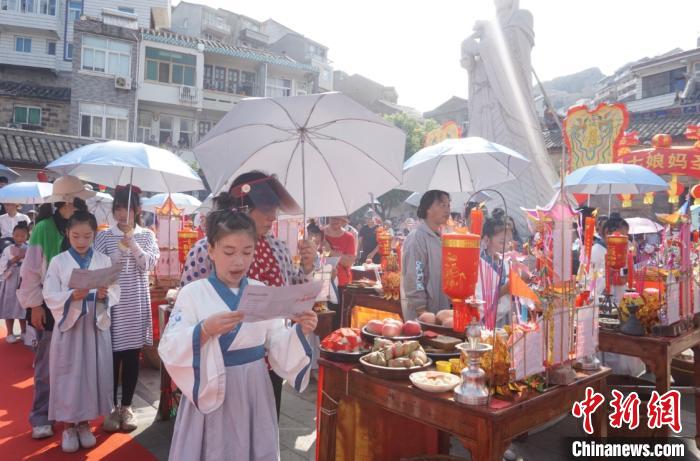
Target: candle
[476,217]
[588,240]
[630,271]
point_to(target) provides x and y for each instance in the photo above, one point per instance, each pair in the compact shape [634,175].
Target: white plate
[418,379]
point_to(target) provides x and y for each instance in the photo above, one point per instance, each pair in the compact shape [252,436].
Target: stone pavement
[298,427]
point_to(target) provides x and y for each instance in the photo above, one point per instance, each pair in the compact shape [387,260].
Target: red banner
[666,160]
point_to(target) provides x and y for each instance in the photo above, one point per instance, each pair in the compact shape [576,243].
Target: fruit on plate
[442,316]
[344,340]
[397,354]
[391,329]
[411,328]
[427,317]
[375,327]
[449,323]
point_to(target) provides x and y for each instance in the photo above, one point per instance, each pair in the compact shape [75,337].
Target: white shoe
[69,441]
[113,422]
[11,339]
[42,432]
[87,438]
[128,418]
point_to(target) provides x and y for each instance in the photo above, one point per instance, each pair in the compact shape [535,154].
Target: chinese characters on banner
[666,160]
[661,410]
[593,137]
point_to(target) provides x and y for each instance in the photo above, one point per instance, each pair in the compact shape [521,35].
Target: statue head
[504,8]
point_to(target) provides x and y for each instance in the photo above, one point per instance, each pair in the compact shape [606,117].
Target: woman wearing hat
[260,196]
[47,240]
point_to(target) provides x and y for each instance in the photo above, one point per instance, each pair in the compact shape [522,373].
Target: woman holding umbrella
[135,248]
[261,196]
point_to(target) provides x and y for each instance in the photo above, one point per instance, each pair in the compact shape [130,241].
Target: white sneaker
[113,422]
[128,418]
[69,442]
[87,438]
[11,339]
[42,432]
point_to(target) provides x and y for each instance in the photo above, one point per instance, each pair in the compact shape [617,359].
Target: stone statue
[501,105]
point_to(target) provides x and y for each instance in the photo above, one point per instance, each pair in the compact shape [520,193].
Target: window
[144,127]
[126,9]
[170,67]
[696,69]
[166,130]
[23,44]
[47,7]
[186,133]
[247,86]
[220,78]
[51,47]
[101,121]
[69,52]
[232,86]
[208,77]
[277,87]
[75,10]
[105,55]
[185,23]
[202,129]
[26,6]
[25,114]
[8,5]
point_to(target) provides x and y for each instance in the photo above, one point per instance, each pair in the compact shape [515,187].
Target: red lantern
[662,140]
[695,193]
[476,219]
[41,176]
[460,270]
[616,257]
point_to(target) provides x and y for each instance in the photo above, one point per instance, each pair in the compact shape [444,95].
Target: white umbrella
[328,151]
[26,192]
[8,172]
[643,226]
[462,164]
[114,163]
[101,206]
[187,203]
[458,200]
[613,178]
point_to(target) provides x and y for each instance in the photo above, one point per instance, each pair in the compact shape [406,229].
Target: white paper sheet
[586,331]
[528,353]
[562,335]
[264,303]
[85,279]
[673,298]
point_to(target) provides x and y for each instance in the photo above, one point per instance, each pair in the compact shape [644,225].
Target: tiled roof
[213,46]
[35,148]
[30,90]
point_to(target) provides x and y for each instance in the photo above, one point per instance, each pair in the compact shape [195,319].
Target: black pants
[128,362]
[277,390]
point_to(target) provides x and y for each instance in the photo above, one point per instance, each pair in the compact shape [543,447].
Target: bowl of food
[434,381]
[440,323]
[393,329]
[344,345]
[395,360]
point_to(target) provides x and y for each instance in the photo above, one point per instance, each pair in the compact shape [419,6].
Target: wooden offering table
[369,418]
[366,299]
[656,352]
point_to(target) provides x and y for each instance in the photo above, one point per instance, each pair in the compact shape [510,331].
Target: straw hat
[66,188]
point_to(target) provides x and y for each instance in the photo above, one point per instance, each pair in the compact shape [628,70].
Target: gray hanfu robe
[227,411]
[81,374]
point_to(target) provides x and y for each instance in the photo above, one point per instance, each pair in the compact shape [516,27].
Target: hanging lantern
[695,193]
[580,198]
[626,200]
[674,189]
[649,198]
[460,269]
[662,140]
[41,176]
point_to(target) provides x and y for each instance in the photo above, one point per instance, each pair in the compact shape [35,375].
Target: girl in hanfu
[81,344]
[218,360]
[493,285]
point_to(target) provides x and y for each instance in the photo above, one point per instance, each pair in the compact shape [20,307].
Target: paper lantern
[476,220]
[186,238]
[626,200]
[675,189]
[649,198]
[695,193]
[384,246]
[460,270]
[616,257]
[41,176]
[662,140]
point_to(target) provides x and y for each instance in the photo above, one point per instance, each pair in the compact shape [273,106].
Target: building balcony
[652,103]
[169,94]
[250,35]
[220,101]
[216,26]
[189,95]
[19,23]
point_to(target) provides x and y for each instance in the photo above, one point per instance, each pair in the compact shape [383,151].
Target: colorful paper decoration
[626,200]
[449,130]
[675,189]
[649,198]
[695,193]
[594,136]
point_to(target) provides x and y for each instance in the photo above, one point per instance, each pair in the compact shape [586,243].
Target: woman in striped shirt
[132,326]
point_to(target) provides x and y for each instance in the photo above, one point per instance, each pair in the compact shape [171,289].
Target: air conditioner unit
[122,83]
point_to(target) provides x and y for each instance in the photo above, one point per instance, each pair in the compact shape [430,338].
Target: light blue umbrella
[114,163]
[187,203]
[613,178]
[26,192]
[8,172]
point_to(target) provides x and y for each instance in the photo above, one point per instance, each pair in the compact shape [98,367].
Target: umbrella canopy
[8,172]
[101,206]
[119,162]
[458,200]
[643,226]
[187,203]
[26,192]
[462,164]
[328,151]
[613,178]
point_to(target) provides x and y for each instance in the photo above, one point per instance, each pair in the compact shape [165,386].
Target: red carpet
[16,443]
